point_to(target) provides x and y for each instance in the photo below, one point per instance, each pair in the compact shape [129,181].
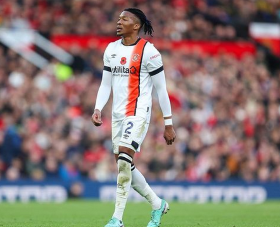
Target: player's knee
[130,152]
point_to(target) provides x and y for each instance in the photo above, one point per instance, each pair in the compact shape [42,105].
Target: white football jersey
[131,69]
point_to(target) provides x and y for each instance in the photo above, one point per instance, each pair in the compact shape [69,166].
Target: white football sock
[123,184]
[140,185]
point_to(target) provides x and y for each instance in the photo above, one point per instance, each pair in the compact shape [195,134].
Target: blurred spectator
[10,143]
[76,190]
[51,167]
[12,174]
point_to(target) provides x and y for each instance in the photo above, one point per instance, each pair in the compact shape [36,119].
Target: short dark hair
[145,23]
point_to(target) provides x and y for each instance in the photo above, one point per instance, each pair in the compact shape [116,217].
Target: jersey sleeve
[153,60]
[105,86]
[106,59]
[104,90]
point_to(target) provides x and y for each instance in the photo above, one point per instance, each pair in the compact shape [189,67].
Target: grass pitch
[82,213]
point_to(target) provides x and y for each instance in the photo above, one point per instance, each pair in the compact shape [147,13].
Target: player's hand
[96,118]
[169,134]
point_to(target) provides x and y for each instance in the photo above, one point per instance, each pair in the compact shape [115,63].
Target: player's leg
[127,146]
[159,206]
[123,180]
[139,184]
[116,220]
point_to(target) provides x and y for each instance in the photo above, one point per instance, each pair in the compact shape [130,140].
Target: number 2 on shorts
[129,127]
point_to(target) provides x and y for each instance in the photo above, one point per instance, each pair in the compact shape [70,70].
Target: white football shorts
[129,132]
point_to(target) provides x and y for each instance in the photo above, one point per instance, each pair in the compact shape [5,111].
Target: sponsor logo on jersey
[123,60]
[122,69]
[155,56]
[113,55]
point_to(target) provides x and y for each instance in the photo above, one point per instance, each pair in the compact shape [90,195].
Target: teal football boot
[114,222]
[157,214]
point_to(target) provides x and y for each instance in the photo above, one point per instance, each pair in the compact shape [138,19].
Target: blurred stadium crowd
[172,19]
[226,110]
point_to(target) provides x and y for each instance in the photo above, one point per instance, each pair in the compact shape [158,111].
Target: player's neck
[129,40]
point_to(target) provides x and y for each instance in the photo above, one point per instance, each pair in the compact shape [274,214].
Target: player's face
[126,24]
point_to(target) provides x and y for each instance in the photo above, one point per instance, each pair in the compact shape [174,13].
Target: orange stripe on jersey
[134,77]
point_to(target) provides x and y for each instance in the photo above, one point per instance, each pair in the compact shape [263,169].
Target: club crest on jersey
[135,57]
[123,60]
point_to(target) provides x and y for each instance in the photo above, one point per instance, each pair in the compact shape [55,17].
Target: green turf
[96,214]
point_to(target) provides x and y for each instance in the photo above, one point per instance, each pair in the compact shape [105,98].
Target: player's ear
[136,26]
